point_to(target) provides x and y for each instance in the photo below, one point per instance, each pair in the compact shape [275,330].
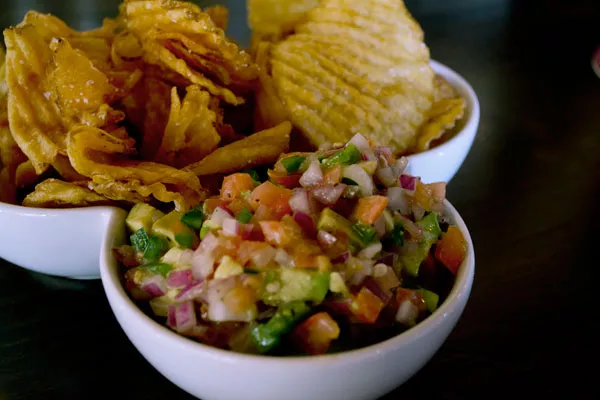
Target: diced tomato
[344,207]
[239,299]
[275,198]
[366,306]
[227,245]
[314,335]
[214,202]
[303,260]
[282,178]
[427,195]
[333,175]
[247,248]
[275,233]
[370,208]
[451,249]
[235,184]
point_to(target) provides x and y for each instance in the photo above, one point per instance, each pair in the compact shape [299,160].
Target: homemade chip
[219,15]
[442,117]
[270,20]
[97,154]
[442,90]
[55,193]
[190,134]
[180,37]
[25,175]
[355,66]
[269,110]
[260,148]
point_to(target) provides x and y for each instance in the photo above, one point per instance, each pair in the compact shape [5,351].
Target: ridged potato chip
[219,15]
[95,153]
[442,118]
[260,148]
[55,193]
[190,134]
[270,110]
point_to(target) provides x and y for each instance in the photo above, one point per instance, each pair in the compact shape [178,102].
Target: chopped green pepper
[349,181]
[151,246]
[157,268]
[268,335]
[185,239]
[254,175]
[293,163]
[397,235]
[139,240]
[193,218]
[365,232]
[350,155]
[431,299]
[244,216]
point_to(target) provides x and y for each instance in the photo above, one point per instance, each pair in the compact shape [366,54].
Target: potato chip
[56,194]
[96,153]
[442,90]
[190,134]
[270,20]
[63,166]
[166,28]
[260,148]
[355,66]
[442,117]
[269,110]
[219,15]
[25,175]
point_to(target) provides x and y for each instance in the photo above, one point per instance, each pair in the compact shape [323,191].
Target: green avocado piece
[267,336]
[175,231]
[141,216]
[431,299]
[431,232]
[291,284]
[332,222]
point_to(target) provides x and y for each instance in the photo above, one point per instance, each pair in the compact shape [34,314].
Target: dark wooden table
[529,192]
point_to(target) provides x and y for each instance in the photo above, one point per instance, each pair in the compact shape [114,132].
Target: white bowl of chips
[441,162]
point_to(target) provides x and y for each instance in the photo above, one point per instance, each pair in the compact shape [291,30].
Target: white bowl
[57,242]
[66,242]
[441,163]
[210,373]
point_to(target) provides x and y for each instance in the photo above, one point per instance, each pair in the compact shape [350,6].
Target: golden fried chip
[95,153]
[442,117]
[63,166]
[442,90]
[272,19]
[219,15]
[260,148]
[355,66]
[180,37]
[56,194]
[35,120]
[25,175]
[269,110]
[190,134]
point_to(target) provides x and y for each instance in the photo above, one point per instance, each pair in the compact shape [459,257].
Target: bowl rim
[461,288]
[439,68]
[471,123]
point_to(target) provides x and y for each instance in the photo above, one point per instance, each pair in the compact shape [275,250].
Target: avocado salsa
[327,251]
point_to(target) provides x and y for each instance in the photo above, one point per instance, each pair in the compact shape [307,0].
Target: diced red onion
[156,285]
[388,259]
[327,239]
[339,306]
[401,165]
[328,195]
[371,284]
[247,231]
[380,225]
[263,257]
[171,321]
[387,176]
[219,215]
[204,259]
[306,223]
[342,258]
[407,313]
[362,144]
[409,226]
[180,278]
[397,200]
[231,227]
[370,251]
[384,151]
[185,317]
[408,182]
[313,175]
[300,201]
[191,291]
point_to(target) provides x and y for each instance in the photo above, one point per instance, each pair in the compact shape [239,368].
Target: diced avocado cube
[175,231]
[141,216]
[431,232]
[369,166]
[332,222]
[193,218]
[431,299]
[208,226]
[349,155]
[291,284]
[228,267]
[337,284]
[366,233]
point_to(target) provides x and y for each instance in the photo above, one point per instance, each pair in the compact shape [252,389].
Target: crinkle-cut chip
[94,152]
[25,175]
[54,193]
[442,90]
[355,66]
[190,134]
[133,191]
[80,88]
[219,15]
[201,45]
[272,19]
[35,120]
[257,149]
[269,110]
[442,117]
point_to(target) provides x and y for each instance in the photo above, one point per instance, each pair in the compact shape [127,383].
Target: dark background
[529,192]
